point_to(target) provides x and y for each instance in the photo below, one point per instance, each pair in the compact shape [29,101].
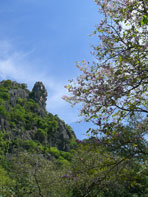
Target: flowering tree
[115,86]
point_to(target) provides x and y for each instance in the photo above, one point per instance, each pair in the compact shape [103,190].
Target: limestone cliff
[24,118]
[39,95]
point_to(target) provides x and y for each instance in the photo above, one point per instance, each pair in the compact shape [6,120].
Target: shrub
[18,114]
[4,93]
[31,105]
[7,84]
[20,101]
[24,85]
[40,135]
[2,102]
[66,155]
[6,184]
[30,145]
[54,151]
[63,161]
[12,124]
[3,111]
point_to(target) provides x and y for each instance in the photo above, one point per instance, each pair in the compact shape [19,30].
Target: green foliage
[29,145]
[4,178]
[144,20]
[37,176]
[28,131]
[24,86]
[12,124]
[24,117]
[7,84]
[20,101]
[18,114]
[40,135]
[29,120]
[73,142]
[93,171]
[62,161]
[54,151]
[52,126]
[4,93]
[4,143]
[2,101]
[41,123]
[3,112]
[111,91]
[31,105]
[6,183]
[66,155]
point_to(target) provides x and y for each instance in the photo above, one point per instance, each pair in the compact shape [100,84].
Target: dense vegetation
[89,170]
[113,92]
[28,131]
[31,166]
[23,123]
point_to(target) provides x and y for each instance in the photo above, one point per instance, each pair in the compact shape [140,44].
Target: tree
[6,184]
[115,86]
[95,172]
[36,176]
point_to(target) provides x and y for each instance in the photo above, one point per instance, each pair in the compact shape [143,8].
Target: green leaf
[100,30]
[144,20]
[120,59]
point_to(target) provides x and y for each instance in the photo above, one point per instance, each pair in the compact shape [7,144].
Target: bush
[18,114]
[54,151]
[12,124]
[40,135]
[2,102]
[66,155]
[7,84]
[31,105]
[63,161]
[6,184]
[4,143]
[24,85]
[20,101]
[30,145]
[52,126]
[3,111]
[4,93]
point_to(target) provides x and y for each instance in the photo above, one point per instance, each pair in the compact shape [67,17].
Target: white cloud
[16,66]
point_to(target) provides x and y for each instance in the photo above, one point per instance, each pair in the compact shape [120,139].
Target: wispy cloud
[15,65]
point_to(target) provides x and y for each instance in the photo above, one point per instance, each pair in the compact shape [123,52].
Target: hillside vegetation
[25,123]
[40,156]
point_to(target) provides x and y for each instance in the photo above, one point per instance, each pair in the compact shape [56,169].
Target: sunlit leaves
[144,20]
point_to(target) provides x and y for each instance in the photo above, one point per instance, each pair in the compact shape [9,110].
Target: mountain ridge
[25,122]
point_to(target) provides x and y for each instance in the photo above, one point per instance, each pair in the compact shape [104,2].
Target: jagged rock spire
[39,94]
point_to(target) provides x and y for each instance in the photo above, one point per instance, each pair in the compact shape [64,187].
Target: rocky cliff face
[39,94]
[17,93]
[24,117]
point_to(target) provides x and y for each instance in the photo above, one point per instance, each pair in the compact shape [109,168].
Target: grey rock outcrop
[61,136]
[17,93]
[39,94]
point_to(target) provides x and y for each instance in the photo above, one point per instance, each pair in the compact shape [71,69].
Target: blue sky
[40,40]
